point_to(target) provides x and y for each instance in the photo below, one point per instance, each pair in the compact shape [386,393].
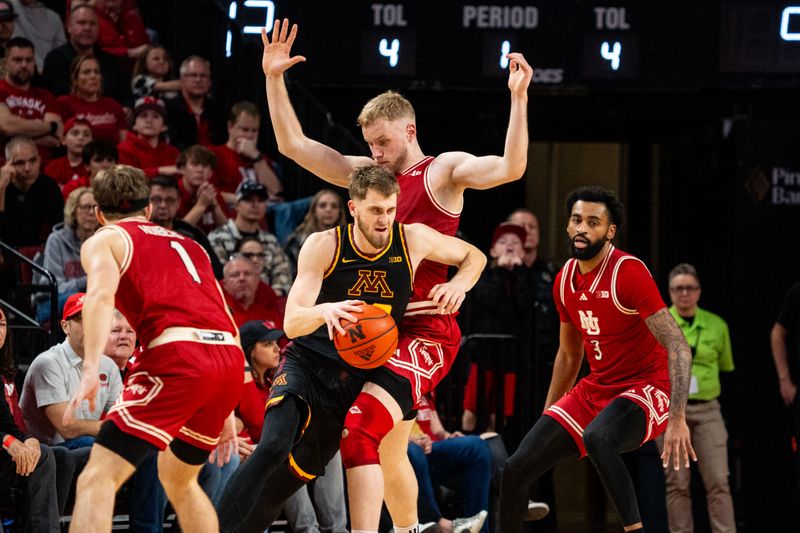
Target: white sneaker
[536,510]
[427,526]
[473,524]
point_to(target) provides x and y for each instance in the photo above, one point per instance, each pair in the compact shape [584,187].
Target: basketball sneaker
[536,510]
[472,524]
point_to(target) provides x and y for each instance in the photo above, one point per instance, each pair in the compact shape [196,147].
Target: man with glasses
[164,205]
[251,207]
[30,202]
[193,116]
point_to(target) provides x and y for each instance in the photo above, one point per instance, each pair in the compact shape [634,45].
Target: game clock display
[623,44]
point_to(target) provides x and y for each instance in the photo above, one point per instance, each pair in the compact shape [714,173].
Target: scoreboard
[624,44]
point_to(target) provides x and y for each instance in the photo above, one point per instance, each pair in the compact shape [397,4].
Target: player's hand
[277,54]
[519,73]
[7,172]
[228,443]
[448,296]
[246,449]
[90,384]
[334,312]
[788,391]
[677,444]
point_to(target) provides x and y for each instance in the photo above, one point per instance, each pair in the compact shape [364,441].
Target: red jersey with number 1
[167,281]
[416,204]
[609,306]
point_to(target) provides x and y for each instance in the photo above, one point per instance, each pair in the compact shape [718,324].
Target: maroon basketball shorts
[426,349]
[576,409]
[181,390]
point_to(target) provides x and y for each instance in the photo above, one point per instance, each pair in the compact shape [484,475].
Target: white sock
[408,529]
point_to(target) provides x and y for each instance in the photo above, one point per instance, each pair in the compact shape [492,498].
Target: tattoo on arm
[667,332]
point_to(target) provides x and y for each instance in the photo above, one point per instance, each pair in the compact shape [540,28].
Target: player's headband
[126,206]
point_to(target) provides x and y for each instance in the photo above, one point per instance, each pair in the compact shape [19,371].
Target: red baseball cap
[75,121]
[504,228]
[73,305]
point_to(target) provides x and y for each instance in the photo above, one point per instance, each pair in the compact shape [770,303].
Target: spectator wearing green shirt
[707,335]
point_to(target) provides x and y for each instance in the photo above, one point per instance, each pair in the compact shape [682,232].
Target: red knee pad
[367,422]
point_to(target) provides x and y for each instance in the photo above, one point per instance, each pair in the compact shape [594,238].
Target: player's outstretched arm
[314,156]
[102,279]
[677,440]
[427,243]
[303,314]
[567,363]
[469,171]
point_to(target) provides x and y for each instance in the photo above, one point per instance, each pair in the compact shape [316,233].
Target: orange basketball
[370,342]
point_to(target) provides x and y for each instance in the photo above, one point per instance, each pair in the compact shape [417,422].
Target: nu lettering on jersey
[589,322]
[383,279]
[371,281]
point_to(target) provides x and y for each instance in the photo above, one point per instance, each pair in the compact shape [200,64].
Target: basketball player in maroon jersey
[432,192]
[640,365]
[188,379]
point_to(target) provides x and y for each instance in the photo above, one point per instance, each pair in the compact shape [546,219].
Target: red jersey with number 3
[609,306]
[416,204]
[166,281]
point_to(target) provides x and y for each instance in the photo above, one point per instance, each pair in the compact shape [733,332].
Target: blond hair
[121,191]
[71,206]
[389,106]
[373,178]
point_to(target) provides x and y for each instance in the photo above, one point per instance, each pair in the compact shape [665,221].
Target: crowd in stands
[96,90]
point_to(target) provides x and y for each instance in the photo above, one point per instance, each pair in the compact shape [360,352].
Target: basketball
[370,342]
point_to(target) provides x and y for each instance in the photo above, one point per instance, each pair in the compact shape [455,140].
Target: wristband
[53,127]
[8,441]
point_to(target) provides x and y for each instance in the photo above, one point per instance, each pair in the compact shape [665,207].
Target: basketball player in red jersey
[640,366]
[187,380]
[432,192]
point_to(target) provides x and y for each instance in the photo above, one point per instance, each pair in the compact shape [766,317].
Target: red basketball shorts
[576,409]
[426,349]
[180,390]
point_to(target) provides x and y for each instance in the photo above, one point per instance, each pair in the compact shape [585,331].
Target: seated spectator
[25,109]
[165,201]
[121,344]
[241,285]
[201,203]
[262,352]
[96,155]
[62,251]
[439,457]
[23,457]
[30,202]
[70,167]
[152,75]
[500,300]
[146,148]
[42,26]
[325,212]
[82,27]
[122,35]
[86,101]
[239,159]
[53,380]
[251,206]
[193,116]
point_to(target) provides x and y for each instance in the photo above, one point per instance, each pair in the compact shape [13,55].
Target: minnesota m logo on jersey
[372,281]
[589,322]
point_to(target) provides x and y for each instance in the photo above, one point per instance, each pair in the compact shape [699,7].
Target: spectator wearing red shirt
[87,102]
[241,284]
[193,116]
[240,159]
[70,167]
[96,156]
[201,204]
[122,32]
[145,148]
[24,109]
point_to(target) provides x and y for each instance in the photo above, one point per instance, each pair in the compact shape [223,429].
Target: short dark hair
[19,42]
[599,195]
[197,154]
[248,108]
[684,269]
[379,179]
[165,182]
[99,149]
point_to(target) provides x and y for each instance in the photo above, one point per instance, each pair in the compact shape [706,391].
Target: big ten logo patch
[589,322]
[372,282]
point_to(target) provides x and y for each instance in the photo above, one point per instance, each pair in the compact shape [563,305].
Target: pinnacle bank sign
[784,186]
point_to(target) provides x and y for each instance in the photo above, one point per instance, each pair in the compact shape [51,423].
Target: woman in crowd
[325,212]
[152,74]
[86,101]
[62,251]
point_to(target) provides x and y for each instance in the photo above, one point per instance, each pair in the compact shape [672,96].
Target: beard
[21,78]
[590,252]
[399,164]
[375,239]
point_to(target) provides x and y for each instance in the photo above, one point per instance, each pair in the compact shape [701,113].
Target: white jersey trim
[617,304]
[567,418]
[126,238]
[434,201]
